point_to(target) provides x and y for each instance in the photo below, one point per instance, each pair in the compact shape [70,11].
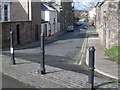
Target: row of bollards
[42,66]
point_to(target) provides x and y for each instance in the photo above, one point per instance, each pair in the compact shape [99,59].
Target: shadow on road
[65,63]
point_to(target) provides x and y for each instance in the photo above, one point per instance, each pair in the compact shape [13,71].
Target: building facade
[67,14]
[107,22]
[24,17]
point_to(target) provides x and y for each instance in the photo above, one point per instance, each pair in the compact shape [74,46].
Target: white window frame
[2,10]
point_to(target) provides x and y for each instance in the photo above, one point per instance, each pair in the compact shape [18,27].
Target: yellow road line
[82,50]
[81,60]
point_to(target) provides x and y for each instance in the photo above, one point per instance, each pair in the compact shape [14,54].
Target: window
[0,12]
[5,11]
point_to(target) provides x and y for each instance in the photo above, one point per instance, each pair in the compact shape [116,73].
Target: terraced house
[24,17]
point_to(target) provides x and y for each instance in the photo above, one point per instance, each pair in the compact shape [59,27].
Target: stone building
[108,22]
[24,17]
[67,14]
[80,13]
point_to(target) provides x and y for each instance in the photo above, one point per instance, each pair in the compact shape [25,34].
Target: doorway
[18,33]
[36,33]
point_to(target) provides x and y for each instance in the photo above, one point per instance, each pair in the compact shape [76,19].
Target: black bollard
[42,54]
[91,66]
[12,47]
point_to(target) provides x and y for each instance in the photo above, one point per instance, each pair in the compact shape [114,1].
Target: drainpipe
[28,9]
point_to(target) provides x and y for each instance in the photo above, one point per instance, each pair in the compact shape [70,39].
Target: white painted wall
[92,13]
[45,15]
[49,16]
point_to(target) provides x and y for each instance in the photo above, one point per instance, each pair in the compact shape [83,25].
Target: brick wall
[25,32]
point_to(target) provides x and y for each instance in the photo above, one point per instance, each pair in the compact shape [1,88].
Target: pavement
[27,72]
[102,63]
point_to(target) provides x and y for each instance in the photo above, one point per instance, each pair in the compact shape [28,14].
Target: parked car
[70,28]
[79,23]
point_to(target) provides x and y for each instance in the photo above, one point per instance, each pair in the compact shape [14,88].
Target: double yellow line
[82,51]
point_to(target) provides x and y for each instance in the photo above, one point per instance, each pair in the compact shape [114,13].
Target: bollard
[12,47]
[91,67]
[42,54]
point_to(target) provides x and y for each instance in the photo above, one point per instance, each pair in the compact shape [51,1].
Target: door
[36,33]
[18,34]
[45,29]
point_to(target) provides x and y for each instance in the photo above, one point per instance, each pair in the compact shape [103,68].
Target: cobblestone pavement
[27,72]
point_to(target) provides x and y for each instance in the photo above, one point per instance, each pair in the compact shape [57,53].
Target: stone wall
[67,15]
[107,23]
[36,20]
[22,32]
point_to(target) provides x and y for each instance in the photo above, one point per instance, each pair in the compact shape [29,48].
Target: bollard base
[12,63]
[41,72]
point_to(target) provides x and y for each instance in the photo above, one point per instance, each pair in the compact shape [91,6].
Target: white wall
[52,25]
[92,13]
[53,14]
[45,15]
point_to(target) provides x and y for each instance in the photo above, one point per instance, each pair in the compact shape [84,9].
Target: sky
[83,4]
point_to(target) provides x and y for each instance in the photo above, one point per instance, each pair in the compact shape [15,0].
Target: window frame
[3,11]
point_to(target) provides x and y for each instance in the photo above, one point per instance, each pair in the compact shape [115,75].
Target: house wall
[0,35]
[28,18]
[25,32]
[19,10]
[45,15]
[0,12]
[66,17]
[46,28]
[53,21]
[107,23]
[51,17]
[36,19]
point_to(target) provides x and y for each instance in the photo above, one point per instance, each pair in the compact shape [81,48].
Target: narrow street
[62,53]
[60,44]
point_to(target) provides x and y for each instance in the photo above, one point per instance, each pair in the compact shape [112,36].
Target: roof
[45,7]
[43,21]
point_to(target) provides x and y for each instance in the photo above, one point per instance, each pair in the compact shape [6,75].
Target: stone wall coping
[14,21]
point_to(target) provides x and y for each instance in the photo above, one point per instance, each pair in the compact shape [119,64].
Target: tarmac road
[62,53]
